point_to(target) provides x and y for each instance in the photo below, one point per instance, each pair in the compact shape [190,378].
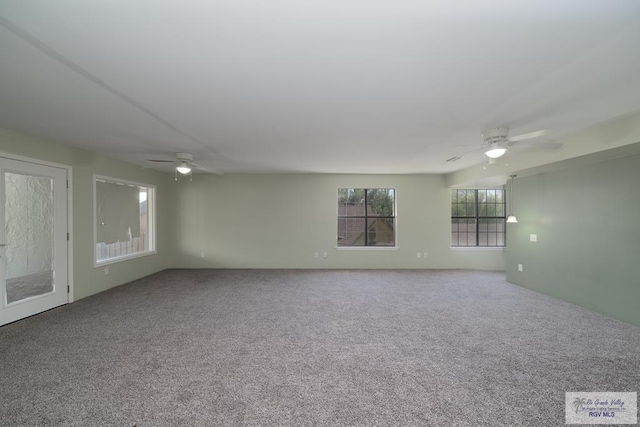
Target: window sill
[367,248]
[117,259]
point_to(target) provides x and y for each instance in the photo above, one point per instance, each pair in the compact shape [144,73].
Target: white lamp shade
[183,168]
[494,153]
[511,219]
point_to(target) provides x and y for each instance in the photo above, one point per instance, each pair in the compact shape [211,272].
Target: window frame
[151,221]
[366,217]
[477,217]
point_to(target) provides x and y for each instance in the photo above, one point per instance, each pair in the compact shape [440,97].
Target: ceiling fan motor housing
[184,157]
[495,136]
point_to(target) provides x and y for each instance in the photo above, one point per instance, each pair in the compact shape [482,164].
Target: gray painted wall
[587,221]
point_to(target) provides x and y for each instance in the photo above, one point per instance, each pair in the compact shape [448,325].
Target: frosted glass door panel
[29,219]
[33,238]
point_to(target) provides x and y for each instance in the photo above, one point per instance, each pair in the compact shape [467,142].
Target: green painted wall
[253,221]
[586,219]
[280,221]
[87,279]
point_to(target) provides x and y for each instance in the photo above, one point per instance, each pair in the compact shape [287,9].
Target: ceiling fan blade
[531,146]
[549,145]
[154,167]
[160,161]
[530,135]
[468,145]
[202,168]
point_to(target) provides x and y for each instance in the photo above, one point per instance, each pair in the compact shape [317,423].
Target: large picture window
[478,218]
[366,217]
[124,220]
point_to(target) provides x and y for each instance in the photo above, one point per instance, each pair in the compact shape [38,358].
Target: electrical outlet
[325,255]
[425,255]
[520,269]
[533,237]
[106,271]
[201,254]
[316,254]
[418,255]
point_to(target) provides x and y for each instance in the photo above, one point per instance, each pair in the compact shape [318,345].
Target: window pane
[463,203]
[350,202]
[464,211]
[380,232]
[124,219]
[471,239]
[29,219]
[491,229]
[351,231]
[482,239]
[471,226]
[380,202]
[468,226]
[471,209]
[466,235]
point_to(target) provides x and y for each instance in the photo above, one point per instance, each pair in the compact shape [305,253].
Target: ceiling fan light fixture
[183,168]
[495,152]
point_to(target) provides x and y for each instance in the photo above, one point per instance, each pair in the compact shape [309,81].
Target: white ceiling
[337,86]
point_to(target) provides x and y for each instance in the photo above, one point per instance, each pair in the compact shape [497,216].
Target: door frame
[69,170]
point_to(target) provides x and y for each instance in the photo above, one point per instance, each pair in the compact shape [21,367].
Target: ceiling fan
[183,164]
[496,141]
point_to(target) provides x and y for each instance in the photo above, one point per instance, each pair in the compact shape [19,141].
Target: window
[124,220]
[366,217]
[478,218]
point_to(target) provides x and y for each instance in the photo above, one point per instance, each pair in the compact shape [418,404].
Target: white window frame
[395,223]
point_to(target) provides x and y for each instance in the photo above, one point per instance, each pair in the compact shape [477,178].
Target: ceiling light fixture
[511,219]
[495,150]
[184,168]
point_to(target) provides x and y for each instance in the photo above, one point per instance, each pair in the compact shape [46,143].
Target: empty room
[320,213]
